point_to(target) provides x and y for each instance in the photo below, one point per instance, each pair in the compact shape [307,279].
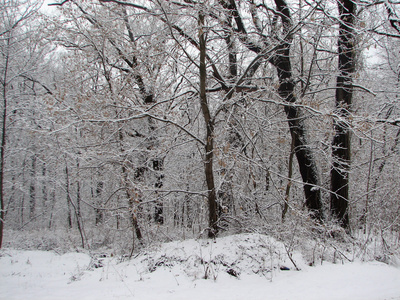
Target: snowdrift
[245,266]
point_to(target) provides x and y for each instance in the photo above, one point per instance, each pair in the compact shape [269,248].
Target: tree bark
[307,166]
[3,135]
[67,191]
[281,61]
[289,184]
[53,203]
[132,198]
[304,155]
[209,145]
[343,102]
[76,209]
[32,189]
[2,155]
[44,186]
[99,212]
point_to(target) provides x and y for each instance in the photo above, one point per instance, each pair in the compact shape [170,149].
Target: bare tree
[344,95]
[278,54]
[15,63]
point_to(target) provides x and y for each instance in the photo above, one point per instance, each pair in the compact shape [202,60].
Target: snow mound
[235,255]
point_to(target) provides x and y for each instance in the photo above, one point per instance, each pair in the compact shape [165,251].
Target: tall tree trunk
[98,212]
[3,136]
[344,94]
[148,99]
[304,155]
[2,160]
[44,187]
[78,199]
[32,189]
[209,145]
[307,166]
[69,215]
[233,138]
[53,203]
[281,61]
[158,166]
[289,183]
[75,207]
[131,195]
[22,202]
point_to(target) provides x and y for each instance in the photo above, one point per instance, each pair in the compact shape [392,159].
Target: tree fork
[281,61]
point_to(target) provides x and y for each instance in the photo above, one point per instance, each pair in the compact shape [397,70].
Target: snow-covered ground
[246,266]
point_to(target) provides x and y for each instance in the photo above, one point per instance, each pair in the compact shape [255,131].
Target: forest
[125,123]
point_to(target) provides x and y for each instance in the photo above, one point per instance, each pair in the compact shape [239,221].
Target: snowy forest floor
[242,266]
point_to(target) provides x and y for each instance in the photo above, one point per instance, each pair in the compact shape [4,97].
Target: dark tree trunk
[75,208]
[158,166]
[3,138]
[303,152]
[69,214]
[32,189]
[344,94]
[289,184]
[53,203]
[44,187]
[209,145]
[304,155]
[22,202]
[78,199]
[281,61]
[99,212]
[208,168]
[2,159]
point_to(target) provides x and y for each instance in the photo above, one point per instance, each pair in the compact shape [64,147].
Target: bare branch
[58,3]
